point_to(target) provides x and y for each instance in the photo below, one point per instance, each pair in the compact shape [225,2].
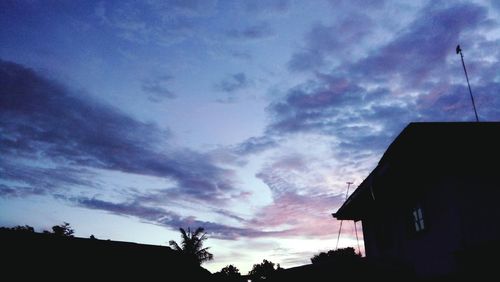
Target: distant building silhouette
[432,202]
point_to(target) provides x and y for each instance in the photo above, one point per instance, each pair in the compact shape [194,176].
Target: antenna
[340,227]
[459,50]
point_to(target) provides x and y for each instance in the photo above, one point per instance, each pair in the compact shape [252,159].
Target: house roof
[426,147]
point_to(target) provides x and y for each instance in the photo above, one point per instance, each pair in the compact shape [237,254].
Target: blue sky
[130,119]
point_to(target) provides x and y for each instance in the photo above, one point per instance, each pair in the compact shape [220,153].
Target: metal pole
[459,50]
[357,239]
[340,227]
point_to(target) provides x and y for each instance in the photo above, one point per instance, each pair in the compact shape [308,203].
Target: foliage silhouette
[20,229]
[192,245]
[262,271]
[228,273]
[63,230]
[336,256]
[30,253]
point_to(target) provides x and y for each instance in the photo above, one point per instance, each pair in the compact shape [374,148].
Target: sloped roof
[461,146]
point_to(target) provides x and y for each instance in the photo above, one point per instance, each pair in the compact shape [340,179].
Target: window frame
[418,219]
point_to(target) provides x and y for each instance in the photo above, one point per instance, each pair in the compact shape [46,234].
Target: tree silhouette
[228,273]
[262,271]
[20,229]
[336,256]
[63,230]
[192,245]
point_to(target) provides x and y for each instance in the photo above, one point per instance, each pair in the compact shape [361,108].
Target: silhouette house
[432,202]
[46,256]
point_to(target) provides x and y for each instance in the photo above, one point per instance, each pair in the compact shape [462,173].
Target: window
[418,219]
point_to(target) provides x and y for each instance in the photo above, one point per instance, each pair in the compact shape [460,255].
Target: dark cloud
[157,88]
[28,179]
[363,104]
[229,214]
[307,59]
[234,83]
[169,219]
[189,6]
[130,209]
[258,31]
[154,22]
[420,51]
[42,119]
[451,102]
[322,105]
[7,191]
[242,55]
[367,4]
[267,6]
[337,41]
[255,145]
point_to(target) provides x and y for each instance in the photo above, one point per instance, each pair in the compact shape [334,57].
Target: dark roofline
[405,138]
[413,126]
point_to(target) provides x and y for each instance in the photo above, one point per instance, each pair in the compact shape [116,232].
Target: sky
[130,119]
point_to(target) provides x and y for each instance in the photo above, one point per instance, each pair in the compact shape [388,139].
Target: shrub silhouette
[336,256]
[63,230]
[262,271]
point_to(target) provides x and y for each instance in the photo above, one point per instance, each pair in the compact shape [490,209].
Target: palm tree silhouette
[192,245]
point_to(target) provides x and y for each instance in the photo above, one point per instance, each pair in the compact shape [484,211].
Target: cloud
[231,84]
[421,50]
[370,4]
[26,178]
[157,22]
[325,104]
[257,31]
[338,40]
[43,120]
[168,219]
[255,145]
[157,89]
[267,6]
[241,55]
[298,208]
[234,82]
[362,104]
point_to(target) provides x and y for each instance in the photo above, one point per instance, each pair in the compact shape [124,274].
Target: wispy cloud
[169,219]
[340,40]
[271,6]
[234,82]
[44,120]
[364,103]
[422,48]
[298,208]
[26,178]
[257,31]
[231,85]
[254,145]
[156,22]
[157,88]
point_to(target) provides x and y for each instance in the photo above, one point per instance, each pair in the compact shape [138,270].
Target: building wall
[461,213]
[480,202]
[390,234]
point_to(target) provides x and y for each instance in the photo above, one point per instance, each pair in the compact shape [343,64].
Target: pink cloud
[299,215]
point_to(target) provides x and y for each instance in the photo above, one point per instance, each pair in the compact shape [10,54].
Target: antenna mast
[340,227]
[459,51]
